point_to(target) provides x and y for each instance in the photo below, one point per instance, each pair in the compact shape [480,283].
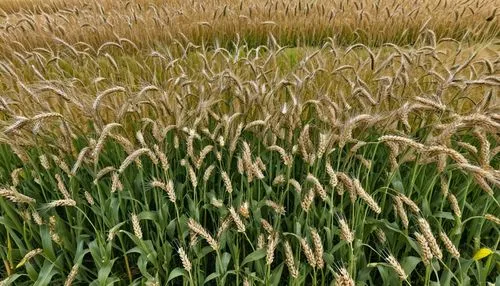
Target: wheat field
[149,142]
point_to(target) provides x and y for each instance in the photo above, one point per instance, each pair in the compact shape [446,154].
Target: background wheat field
[327,142]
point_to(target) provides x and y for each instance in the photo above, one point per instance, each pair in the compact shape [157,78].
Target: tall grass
[151,160]
[220,23]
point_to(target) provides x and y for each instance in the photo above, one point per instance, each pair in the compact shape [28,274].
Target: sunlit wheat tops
[397,267]
[411,204]
[366,197]
[345,231]
[89,198]
[454,205]
[272,242]
[308,252]
[224,225]
[168,188]
[342,278]
[289,260]
[308,199]
[16,197]
[431,240]
[64,202]
[61,187]
[317,186]
[72,275]
[244,210]
[137,153]
[227,182]
[185,260]
[149,142]
[237,220]
[267,226]
[426,253]
[318,248]
[136,226]
[449,245]
[492,218]
[276,207]
[198,229]
[400,210]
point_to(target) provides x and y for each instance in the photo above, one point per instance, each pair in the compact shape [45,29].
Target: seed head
[424,247]
[267,226]
[14,196]
[116,184]
[192,175]
[381,235]
[216,202]
[308,253]
[398,205]
[285,158]
[454,205]
[208,172]
[240,166]
[345,231]
[63,203]
[290,263]
[444,185]
[349,184]
[333,177]
[397,267]
[44,162]
[184,259]
[366,197]
[411,204]
[308,200]
[89,198]
[279,209]
[162,157]
[271,246]
[136,226]
[198,229]
[449,245]
[295,185]
[237,220]
[278,180]
[431,240]
[37,218]
[492,218]
[244,211]
[168,188]
[72,275]
[261,241]
[62,187]
[193,239]
[318,248]
[15,176]
[342,278]
[227,182]
[224,226]
[30,255]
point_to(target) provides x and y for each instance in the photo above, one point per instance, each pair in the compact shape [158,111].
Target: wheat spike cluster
[265,142]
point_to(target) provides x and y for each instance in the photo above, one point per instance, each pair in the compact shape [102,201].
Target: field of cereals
[263,142]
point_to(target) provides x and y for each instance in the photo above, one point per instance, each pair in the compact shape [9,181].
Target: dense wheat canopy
[149,142]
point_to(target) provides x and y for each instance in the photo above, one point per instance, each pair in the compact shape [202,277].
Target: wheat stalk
[424,248]
[184,259]
[198,229]
[431,240]
[311,259]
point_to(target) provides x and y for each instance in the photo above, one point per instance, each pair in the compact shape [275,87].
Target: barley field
[321,142]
